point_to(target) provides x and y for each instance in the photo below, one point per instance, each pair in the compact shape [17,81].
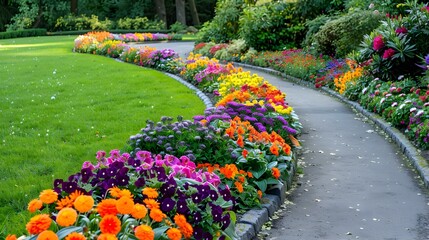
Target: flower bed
[183,179]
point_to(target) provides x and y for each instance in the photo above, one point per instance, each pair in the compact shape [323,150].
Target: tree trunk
[38,21]
[73,7]
[180,11]
[194,13]
[160,11]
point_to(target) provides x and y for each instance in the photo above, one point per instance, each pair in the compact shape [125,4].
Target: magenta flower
[378,43]
[388,53]
[401,30]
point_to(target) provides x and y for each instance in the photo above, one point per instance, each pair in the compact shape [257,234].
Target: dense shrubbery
[224,26]
[23,33]
[83,22]
[340,36]
[271,26]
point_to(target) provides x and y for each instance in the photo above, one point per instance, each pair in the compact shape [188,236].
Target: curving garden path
[356,183]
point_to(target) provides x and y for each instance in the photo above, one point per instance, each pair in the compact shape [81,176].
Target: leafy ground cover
[58,108]
[164,182]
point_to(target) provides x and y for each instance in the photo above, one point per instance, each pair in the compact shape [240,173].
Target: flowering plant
[348,77]
[147,197]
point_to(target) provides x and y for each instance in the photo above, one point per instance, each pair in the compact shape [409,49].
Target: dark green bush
[271,26]
[224,26]
[310,9]
[343,35]
[397,47]
[313,26]
[82,22]
[139,23]
[23,33]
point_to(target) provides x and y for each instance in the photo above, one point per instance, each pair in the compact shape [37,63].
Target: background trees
[21,14]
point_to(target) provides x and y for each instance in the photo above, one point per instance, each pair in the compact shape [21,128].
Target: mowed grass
[58,108]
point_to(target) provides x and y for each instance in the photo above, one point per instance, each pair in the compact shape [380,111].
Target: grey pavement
[356,183]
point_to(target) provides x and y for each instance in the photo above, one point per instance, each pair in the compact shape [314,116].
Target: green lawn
[58,108]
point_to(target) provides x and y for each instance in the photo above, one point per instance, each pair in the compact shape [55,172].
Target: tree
[180,12]
[194,13]
[160,10]
[73,6]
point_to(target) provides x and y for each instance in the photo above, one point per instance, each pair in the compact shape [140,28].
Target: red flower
[388,53]
[378,43]
[401,30]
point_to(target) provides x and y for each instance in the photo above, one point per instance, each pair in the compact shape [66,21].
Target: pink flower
[388,53]
[425,9]
[401,30]
[378,43]
[101,154]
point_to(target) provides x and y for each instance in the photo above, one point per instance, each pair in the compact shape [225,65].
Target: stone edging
[407,148]
[251,222]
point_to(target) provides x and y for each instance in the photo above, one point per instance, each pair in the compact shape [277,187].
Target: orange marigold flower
[64,203]
[286,149]
[84,203]
[180,220]
[157,215]
[107,236]
[48,196]
[151,203]
[244,153]
[126,193]
[240,130]
[66,217]
[249,174]
[34,205]
[187,230]
[75,195]
[110,224]
[38,224]
[274,149]
[106,207]
[174,234]
[150,192]
[144,232]
[139,211]
[125,205]
[75,236]
[241,179]
[47,235]
[240,141]
[229,170]
[276,173]
[259,193]
[11,237]
[239,187]
[115,192]
[230,132]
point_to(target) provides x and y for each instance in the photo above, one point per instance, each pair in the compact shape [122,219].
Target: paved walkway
[356,184]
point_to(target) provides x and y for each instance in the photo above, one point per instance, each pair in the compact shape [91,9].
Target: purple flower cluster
[211,73]
[159,58]
[181,188]
[182,138]
[263,118]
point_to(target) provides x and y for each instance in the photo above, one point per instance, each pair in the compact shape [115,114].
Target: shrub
[224,26]
[313,26]
[279,29]
[343,35]
[178,27]
[310,9]
[139,23]
[398,45]
[82,22]
[23,33]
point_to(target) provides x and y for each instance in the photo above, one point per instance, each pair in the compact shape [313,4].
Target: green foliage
[224,26]
[177,27]
[398,45]
[343,35]
[82,22]
[313,26]
[23,33]
[139,23]
[392,7]
[310,9]
[271,26]
[60,107]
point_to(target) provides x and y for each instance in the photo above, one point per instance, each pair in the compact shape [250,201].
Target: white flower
[364,90]
[419,113]
[413,109]
[394,104]
[371,6]
[382,100]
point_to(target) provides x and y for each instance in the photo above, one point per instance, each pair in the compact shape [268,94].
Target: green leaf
[272,164]
[66,231]
[159,231]
[262,185]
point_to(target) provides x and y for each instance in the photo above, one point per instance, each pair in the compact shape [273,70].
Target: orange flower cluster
[100,36]
[240,130]
[184,227]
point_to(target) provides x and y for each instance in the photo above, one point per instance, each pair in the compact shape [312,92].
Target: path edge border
[413,154]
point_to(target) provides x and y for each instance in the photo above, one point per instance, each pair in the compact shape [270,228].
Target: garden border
[250,223]
[407,148]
